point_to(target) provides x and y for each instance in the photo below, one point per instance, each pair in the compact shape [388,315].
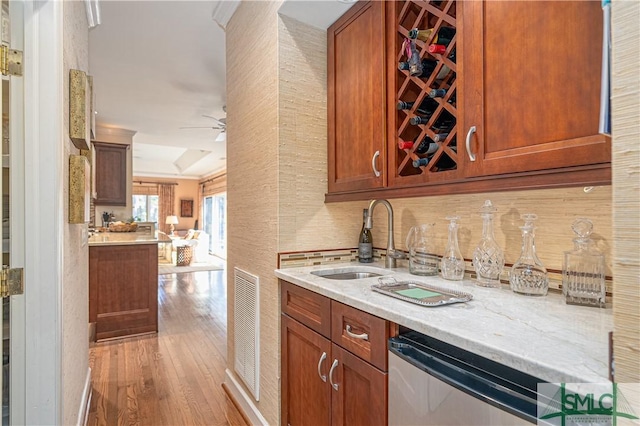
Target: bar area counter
[123,284]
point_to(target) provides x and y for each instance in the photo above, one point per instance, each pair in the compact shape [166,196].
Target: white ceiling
[160,65]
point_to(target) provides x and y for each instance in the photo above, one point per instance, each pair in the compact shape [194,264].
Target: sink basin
[353,273]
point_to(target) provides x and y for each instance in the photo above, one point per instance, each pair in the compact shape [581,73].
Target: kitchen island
[123,284]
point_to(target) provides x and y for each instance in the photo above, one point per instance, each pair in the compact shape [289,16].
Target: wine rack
[441,125]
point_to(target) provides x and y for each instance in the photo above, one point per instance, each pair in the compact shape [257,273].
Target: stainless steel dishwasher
[434,383]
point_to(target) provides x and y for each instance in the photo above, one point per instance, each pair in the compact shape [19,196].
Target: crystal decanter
[488,258]
[583,269]
[452,262]
[528,275]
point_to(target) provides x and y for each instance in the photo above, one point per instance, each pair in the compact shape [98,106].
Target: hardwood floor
[174,377]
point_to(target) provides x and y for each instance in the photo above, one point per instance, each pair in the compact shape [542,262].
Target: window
[145,208]
[215,223]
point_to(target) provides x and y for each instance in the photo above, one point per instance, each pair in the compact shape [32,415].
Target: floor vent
[247,330]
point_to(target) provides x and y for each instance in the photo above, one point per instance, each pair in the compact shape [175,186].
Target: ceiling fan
[221,124]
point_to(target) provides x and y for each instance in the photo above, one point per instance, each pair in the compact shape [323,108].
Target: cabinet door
[123,289]
[361,397]
[111,174]
[306,357]
[531,85]
[356,99]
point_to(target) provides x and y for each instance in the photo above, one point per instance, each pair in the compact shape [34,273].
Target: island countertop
[541,336]
[125,238]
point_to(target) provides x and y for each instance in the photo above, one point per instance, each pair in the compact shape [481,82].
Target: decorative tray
[419,293]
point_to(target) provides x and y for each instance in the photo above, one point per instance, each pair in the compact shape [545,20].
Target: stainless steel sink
[347,273]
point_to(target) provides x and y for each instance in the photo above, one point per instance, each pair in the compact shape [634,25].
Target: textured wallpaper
[75,299]
[625,103]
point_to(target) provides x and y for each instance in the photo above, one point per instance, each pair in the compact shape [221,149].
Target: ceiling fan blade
[220,121]
[202,127]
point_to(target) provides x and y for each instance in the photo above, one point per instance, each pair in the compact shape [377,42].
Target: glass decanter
[452,262]
[583,269]
[528,275]
[488,258]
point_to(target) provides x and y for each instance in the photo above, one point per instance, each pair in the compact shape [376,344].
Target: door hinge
[10,61]
[11,281]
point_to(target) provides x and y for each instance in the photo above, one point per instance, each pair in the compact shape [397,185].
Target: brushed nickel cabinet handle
[363,336]
[323,377]
[472,130]
[373,164]
[333,367]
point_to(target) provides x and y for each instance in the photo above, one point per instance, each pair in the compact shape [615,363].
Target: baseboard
[85,403]
[242,400]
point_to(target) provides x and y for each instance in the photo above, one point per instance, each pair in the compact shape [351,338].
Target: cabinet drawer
[360,333]
[311,309]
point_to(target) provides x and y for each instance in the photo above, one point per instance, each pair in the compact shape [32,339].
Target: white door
[12,231]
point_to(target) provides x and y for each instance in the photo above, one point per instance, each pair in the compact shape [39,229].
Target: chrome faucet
[392,254]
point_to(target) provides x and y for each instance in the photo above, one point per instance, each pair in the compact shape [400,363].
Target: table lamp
[171,220]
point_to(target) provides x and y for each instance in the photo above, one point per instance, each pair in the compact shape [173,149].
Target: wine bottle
[437,93]
[405,144]
[413,57]
[444,162]
[428,65]
[420,119]
[445,35]
[427,146]
[440,137]
[365,242]
[421,34]
[427,106]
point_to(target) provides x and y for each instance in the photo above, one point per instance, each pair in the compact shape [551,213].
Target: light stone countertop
[124,238]
[541,336]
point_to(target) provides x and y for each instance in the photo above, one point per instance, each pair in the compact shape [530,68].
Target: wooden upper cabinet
[530,84]
[356,99]
[111,174]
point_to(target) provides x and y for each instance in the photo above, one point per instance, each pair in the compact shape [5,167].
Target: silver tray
[419,293]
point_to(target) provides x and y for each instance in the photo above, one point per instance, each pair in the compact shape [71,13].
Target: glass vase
[488,258]
[452,262]
[528,275]
[583,269]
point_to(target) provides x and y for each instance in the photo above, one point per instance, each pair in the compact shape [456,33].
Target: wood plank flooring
[174,377]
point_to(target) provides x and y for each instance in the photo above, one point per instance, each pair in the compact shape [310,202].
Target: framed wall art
[186,208]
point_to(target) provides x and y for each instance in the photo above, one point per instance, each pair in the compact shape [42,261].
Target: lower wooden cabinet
[323,383]
[123,289]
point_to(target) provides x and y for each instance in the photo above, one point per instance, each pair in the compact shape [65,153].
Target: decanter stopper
[452,262]
[583,269]
[488,258]
[528,275]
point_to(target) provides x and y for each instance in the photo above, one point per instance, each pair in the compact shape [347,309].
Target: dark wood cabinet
[361,397]
[123,289]
[521,103]
[356,99]
[306,359]
[111,174]
[337,381]
[531,86]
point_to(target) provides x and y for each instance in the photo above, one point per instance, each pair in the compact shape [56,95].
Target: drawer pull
[363,336]
[323,377]
[333,367]
[472,130]
[376,172]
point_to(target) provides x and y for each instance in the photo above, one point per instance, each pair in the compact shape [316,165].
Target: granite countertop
[541,336]
[125,238]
